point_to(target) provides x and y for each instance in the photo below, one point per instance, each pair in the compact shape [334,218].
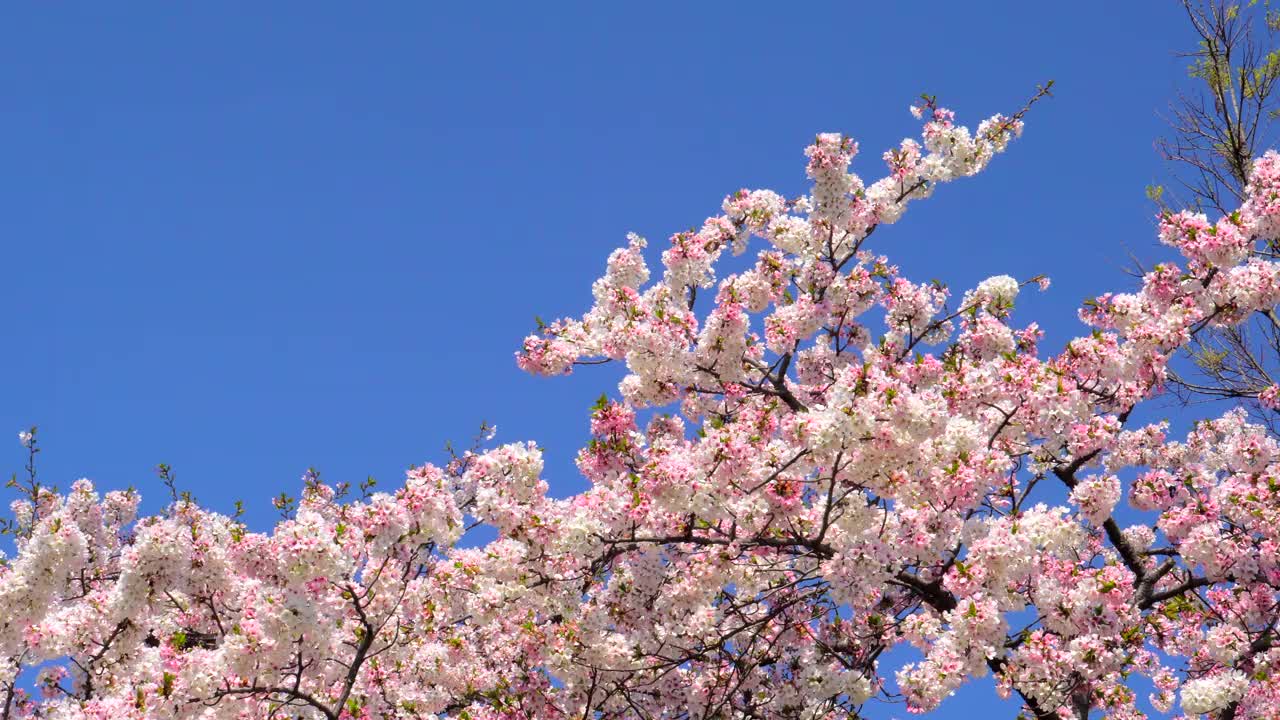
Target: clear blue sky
[246,239]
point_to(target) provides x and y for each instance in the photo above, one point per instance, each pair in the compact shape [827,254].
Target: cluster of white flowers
[994,294]
[1215,692]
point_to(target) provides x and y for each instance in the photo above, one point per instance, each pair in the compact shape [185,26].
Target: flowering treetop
[837,461]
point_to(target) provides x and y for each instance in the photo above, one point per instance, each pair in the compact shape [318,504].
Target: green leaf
[166,684]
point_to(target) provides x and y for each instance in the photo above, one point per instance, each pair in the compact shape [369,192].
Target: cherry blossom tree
[1217,126]
[813,468]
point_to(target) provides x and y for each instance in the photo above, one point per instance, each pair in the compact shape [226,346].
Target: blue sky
[244,239]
